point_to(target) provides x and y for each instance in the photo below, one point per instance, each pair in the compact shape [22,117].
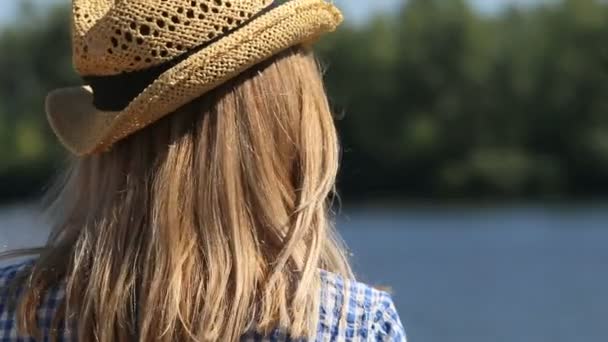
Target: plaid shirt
[370,315]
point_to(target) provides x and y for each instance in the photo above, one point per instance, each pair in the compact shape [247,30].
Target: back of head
[210,223]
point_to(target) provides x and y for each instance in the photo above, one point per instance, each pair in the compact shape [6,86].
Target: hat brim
[84,129]
[79,126]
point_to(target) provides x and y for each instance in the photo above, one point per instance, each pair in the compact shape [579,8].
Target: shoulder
[10,271]
[9,291]
[351,310]
[8,296]
[9,287]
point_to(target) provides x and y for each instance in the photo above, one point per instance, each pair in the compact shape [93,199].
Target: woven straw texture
[135,35]
[111,39]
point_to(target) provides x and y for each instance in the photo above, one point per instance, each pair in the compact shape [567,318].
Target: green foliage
[438,101]
[36,58]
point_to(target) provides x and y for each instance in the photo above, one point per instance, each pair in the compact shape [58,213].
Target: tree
[437,101]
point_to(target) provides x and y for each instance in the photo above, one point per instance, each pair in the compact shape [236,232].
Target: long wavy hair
[209,224]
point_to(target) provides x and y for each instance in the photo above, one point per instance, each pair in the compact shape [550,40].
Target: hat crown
[115,36]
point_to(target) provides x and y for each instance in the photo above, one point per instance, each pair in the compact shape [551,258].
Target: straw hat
[143,59]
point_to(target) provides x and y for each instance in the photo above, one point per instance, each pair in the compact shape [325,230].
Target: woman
[197,206]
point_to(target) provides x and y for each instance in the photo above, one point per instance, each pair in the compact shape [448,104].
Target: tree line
[432,101]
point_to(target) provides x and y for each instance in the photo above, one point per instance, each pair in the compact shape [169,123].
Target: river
[462,274]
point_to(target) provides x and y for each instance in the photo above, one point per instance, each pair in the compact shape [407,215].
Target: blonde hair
[211,223]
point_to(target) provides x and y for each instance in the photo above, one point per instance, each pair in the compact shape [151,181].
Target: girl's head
[198,223]
[211,222]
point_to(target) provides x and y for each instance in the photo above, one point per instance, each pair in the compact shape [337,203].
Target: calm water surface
[465,275]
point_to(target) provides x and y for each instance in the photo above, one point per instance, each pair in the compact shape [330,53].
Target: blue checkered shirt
[370,314]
